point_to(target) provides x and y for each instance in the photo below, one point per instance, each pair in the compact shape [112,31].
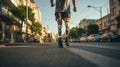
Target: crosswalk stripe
[101,60]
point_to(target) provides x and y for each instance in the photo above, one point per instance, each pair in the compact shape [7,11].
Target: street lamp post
[99,10]
[26,20]
[0,7]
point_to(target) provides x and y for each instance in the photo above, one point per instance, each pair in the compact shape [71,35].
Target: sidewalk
[44,56]
[2,45]
[18,44]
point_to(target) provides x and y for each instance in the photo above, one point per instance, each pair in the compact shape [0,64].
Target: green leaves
[80,31]
[93,29]
[73,32]
[36,27]
[20,12]
[118,18]
[76,32]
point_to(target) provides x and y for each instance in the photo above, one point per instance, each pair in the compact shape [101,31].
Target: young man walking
[62,12]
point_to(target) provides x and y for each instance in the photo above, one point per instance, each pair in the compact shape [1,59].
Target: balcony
[4,12]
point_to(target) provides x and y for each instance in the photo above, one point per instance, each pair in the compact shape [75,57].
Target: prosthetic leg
[67,40]
[60,44]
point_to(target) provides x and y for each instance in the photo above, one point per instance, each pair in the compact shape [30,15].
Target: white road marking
[101,60]
[99,46]
[19,46]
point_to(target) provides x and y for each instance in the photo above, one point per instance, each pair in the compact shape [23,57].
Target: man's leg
[67,25]
[60,29]
[59,21]
[60,34]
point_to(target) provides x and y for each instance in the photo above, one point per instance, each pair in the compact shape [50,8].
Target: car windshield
[97,35]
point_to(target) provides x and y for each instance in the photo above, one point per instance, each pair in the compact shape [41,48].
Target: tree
[119,0]
[118,20]
[93,29]
[80,31]
[73,32]
[20,12]
[76,32]
[36,27]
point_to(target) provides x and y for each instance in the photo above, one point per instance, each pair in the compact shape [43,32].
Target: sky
[83,12]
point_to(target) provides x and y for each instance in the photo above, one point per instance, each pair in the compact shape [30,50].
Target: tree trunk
[3,32]
[12,34]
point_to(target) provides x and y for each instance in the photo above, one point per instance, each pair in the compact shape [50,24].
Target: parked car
[94,37]
[109,37]
[83,39]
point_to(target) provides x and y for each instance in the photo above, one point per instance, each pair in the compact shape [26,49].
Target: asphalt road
[49,55]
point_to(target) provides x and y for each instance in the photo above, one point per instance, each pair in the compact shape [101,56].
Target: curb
[2,45]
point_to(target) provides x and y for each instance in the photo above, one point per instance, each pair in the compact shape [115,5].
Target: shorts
[62,15]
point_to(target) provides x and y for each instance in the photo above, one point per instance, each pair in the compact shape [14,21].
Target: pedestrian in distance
[62,12]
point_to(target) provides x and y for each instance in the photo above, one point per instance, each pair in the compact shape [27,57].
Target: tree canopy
[80,31]
[76,32]
[20,12]
[93,29]
[36,27]
[73,32]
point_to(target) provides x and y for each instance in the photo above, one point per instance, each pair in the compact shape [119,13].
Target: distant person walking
[62,12]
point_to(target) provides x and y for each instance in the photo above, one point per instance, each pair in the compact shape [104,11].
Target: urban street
[49,55]
[32,33]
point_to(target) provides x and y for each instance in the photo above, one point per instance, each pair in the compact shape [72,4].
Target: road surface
[49,55]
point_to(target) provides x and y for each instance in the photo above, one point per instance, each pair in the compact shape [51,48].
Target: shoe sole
[67,42]
[60,45]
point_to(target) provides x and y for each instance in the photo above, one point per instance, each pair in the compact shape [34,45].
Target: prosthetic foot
[60,44]
[67,42]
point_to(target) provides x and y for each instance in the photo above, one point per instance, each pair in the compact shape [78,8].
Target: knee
[67,25]
[59,20]
[67,20]
[59,27]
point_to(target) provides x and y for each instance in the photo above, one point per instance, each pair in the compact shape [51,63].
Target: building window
[113,1]
[114,10]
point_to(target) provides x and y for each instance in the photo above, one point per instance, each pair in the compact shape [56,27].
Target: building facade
[8,22]
[32,5]
[114,12]
[36,12]
[105,24]
[10,25]
[85,22]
